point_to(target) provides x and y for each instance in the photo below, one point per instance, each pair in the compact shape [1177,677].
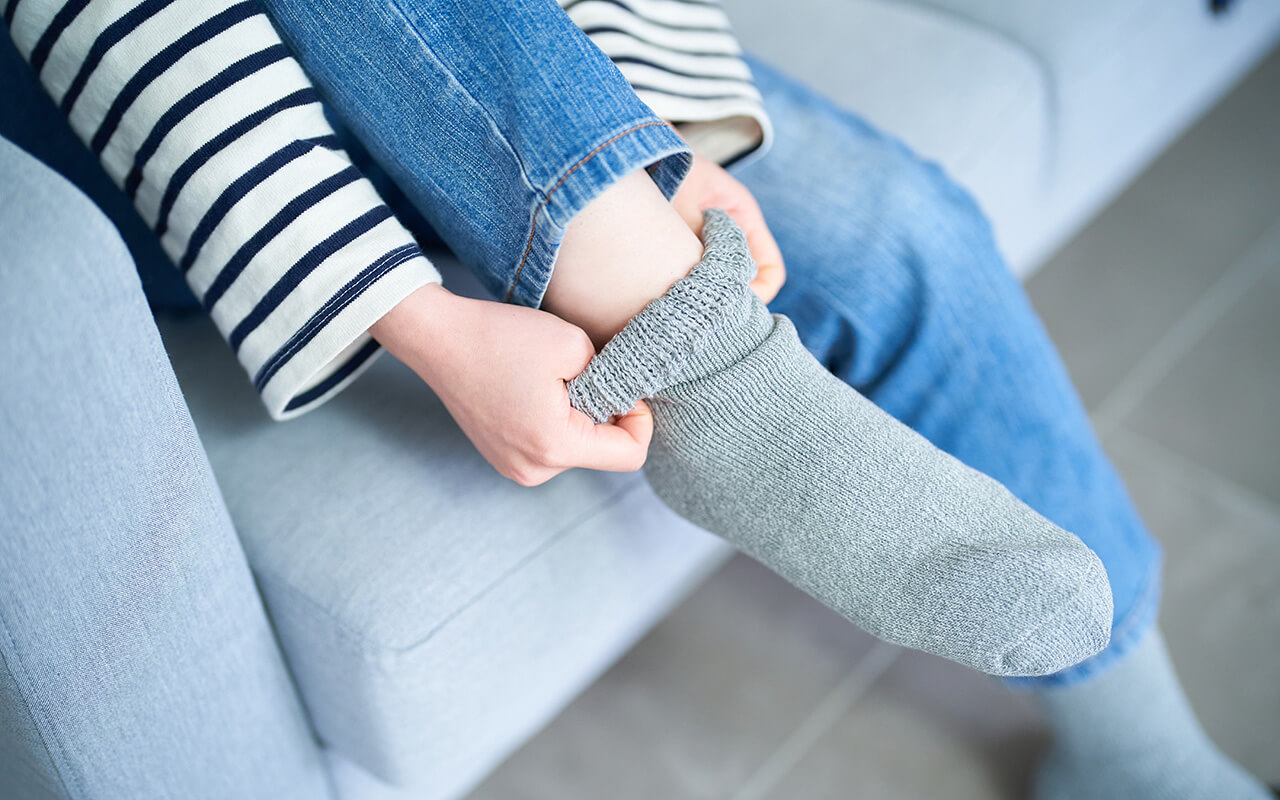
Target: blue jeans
[894,280]
[895,284]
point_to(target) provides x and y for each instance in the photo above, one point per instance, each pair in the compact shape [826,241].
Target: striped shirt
[683,60]
[198,112]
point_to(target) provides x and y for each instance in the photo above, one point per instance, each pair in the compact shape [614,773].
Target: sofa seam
[28,698]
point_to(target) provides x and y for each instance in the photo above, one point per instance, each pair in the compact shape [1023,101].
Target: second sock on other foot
[1130,734]
[755,441]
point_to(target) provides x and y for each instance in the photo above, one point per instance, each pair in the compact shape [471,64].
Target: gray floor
[1167,310]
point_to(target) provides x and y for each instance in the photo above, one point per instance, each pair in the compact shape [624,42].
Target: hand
[708,185]
[501,371]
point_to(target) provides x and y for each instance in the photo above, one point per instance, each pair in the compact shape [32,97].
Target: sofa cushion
[433,614]
[957,93]
[1064,102]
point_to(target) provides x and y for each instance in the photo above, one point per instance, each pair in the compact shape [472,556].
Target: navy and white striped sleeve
[683,60]
[201,116]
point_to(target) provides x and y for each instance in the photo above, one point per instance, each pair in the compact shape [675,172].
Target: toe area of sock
[1077,629]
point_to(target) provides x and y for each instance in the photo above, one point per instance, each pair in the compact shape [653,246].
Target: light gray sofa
[435,616]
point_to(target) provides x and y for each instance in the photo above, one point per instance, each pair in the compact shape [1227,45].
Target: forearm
[627,247]
[200,115]
[418,325]
[501,371]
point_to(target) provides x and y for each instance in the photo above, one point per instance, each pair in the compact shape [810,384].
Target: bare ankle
[623,250]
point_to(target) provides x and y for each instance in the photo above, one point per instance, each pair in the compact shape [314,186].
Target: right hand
[502,372]
[709,185]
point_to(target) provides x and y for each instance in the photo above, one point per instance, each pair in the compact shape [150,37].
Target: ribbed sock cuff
[706,321]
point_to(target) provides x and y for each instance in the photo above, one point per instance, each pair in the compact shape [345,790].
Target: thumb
[616,446]
[770,270]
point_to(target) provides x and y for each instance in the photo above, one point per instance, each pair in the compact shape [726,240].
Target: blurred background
[1129,155]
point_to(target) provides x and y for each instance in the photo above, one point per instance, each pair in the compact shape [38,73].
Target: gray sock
[755,441]
[1129,734]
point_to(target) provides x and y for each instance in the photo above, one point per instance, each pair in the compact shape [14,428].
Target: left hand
[710,186]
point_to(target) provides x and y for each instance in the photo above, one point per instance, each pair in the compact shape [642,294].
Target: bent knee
[833,183]
[885,253]
[917,211]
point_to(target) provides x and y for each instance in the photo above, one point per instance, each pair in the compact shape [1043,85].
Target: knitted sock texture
[755,441]
[1129,734]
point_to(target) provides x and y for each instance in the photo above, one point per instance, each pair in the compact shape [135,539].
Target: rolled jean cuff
[1126,633]
[650,144]
[498,121]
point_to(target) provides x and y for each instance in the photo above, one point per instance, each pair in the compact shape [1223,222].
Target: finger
[764,248]
[638,422]
[530,476]
[573,352]
[690,212]
[768,281]
[618,446]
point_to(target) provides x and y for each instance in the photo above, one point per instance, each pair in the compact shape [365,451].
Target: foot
[755,441]
[1129,734]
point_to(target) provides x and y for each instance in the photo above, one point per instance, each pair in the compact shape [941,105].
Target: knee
[954,284]
[59,246]
[924,223]
[896,257]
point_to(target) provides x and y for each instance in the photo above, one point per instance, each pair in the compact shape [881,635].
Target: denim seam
[533,225]
[493,123]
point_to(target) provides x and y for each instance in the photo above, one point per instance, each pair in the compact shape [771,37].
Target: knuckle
[581,346]
[528,475]
[546,451]
[512,472]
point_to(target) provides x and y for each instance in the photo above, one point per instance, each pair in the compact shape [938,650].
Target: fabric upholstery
[414,592]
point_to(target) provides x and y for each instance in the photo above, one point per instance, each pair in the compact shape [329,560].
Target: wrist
[414,328]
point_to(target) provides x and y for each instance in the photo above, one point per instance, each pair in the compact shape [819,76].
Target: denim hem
[1125,635]
[650,144]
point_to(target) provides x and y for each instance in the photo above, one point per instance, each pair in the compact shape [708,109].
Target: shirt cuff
[333,347]
[735,133]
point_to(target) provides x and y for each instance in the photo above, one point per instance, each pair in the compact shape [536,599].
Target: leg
[626,248]
[896,286]
[894,283]
[500,122]
[137,659]
[394,72]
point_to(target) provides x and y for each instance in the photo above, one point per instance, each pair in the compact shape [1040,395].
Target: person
[551,180]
